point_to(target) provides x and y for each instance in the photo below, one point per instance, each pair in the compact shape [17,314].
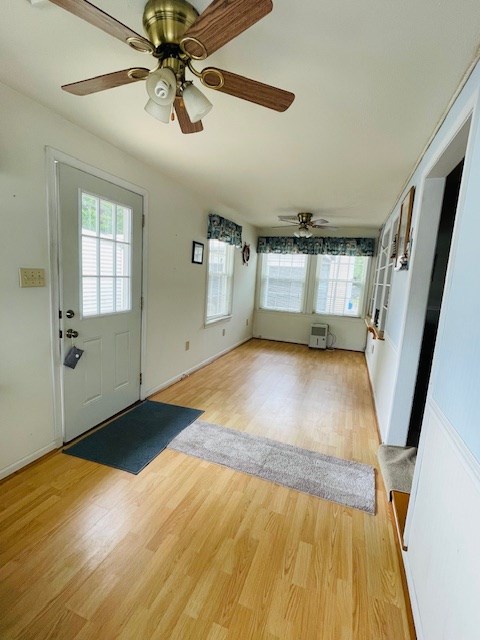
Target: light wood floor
[191,550]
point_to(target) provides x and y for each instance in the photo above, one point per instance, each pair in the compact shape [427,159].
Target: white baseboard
[274,339]
[19,464]
[168,383]
[335,347]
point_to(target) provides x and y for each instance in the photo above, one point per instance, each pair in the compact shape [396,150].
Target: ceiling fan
[305,221]
[177,36]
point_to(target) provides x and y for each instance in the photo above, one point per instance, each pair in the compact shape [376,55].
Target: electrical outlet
[32,277]
[187,345]
[223,332]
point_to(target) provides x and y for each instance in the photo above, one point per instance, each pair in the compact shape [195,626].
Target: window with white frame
[220,280]
[106,255]
[324,284]
[283,281]
[340,285]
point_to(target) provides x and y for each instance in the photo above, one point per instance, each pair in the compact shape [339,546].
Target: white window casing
[220,281]
[324,284]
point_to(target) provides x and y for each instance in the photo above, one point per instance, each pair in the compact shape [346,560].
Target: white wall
[350,333]
[379,353]
[443,526]
[442,561]
[408,300]
[456,373]
[175,286]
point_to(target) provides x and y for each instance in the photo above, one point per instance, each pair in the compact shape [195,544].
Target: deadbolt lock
[70,313]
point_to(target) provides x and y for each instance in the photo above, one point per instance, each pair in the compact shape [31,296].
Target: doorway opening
[427,241]
[434,301]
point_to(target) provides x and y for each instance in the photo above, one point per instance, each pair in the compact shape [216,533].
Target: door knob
[71,333]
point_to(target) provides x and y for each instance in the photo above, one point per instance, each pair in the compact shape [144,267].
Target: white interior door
[101,281]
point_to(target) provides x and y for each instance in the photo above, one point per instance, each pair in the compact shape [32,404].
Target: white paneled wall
[443,559]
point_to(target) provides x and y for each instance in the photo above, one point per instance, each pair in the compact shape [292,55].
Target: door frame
[53,157]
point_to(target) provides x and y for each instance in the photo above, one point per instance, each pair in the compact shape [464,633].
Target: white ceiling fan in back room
[177,37]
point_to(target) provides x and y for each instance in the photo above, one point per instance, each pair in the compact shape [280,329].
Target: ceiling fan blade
[318,221]
[292,219]
[107,81]
[186,125]
[222,21]
[92,14]
[246,89]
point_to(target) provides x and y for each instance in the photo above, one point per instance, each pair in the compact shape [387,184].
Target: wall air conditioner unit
[318,336]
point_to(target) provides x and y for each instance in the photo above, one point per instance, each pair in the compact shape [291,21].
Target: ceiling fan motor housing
[304,218]
[166,21]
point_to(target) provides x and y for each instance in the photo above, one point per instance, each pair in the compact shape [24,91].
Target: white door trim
[53,157]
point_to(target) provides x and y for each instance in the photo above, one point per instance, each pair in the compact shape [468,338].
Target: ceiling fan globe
[159,111]
[162,86]
[303,232]
[196,104]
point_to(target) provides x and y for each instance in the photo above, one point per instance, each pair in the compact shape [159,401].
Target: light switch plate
[32,277]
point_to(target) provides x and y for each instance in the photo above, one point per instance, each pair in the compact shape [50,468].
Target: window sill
[294,313]
[209,323]
[313,314]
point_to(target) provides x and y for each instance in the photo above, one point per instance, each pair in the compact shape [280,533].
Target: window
[283,282]
[106,253]
[220,280]
[322,284]
[340,285]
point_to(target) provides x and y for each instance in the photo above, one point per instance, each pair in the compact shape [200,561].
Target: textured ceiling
[371,81]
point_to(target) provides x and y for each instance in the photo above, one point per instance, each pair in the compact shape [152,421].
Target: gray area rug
[345,482]
[397,465]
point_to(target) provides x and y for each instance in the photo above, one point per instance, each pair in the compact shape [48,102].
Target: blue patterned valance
[224,230]
[317,245]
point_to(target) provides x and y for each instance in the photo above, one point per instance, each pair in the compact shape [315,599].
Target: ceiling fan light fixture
[303,232]
[162,112]
[196,104]
[162,87]
[176,35]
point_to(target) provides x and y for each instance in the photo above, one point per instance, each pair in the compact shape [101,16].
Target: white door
[101,281]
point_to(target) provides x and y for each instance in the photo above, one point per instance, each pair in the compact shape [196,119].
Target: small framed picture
[403,231]
[197,252]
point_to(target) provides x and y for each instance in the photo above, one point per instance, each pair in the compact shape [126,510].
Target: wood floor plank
[190,549]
